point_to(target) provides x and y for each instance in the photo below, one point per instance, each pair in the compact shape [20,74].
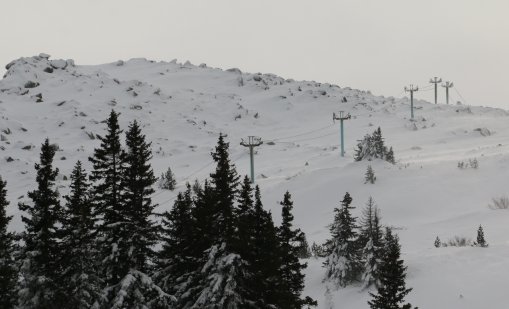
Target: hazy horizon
[363,44]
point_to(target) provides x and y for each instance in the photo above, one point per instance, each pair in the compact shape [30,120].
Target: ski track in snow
[183,107]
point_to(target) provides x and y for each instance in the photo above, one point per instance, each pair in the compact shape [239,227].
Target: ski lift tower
[341,116]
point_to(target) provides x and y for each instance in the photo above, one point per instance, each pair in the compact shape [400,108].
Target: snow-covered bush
[499,203]
[470,163]
[458,241]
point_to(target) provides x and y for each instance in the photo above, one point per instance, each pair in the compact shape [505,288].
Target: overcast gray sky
[376,45]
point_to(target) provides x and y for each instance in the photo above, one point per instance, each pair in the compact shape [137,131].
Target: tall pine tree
[392,290]
[292,278]
[371,240]
[39,286]
[343,262]
[8,271]
[79,278]
[223,281]
[225,183]
[108,164]
[136,289]
[175,262]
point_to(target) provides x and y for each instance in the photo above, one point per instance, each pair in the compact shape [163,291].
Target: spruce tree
[137,181]
[175,262]
[343,261]
[108,165]
[266,258]
[438,243]
[39,286]
[79,276]
[371,240]
[225,182]
[136,289]
[8,271]
[370,175]
[389,156]
[378,141]
[167,180]
[392,290]
[245,221]
[304,249]
[224,280]
[481,242]
[292,278]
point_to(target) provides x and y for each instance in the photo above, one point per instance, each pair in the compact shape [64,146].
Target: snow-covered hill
[183,107]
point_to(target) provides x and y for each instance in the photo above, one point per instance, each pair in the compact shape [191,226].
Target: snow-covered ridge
[183,107]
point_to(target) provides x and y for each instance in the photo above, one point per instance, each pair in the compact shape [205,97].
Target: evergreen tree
[108,165]
[137,181]
[304,250]
[373,147]
[292,278]
[317,250]
[481,242]
[378,141]
[389,156]
[224,280]
[167,180]
[225,182]
[343,261]
[370,175]
[79,277]
[175,262]
[39,286]
[438,243]
[8,271]
[136,289]
[365,149]
[245,221]
[392,290]
[266,258]
[371,240]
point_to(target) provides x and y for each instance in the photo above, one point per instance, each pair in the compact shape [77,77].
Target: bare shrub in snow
[458,241]
[470,163]
[499,203]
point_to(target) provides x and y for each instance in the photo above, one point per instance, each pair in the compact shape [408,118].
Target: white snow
[184,107]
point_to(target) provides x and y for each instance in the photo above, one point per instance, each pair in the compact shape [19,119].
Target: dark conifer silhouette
[292,278]
[8,271]
[39,287]
[392,290]
[79,276]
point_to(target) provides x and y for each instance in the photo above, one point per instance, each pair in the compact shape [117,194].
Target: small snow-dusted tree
[389,156]
[167,180]
[373,147]
[481,242]
[438,243]
[371,240]
[8,271]
[370,175]
[304,250]
[392,290]
[343,262]
[317,250]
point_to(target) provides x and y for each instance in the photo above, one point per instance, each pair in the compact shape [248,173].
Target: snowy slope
[183,107]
